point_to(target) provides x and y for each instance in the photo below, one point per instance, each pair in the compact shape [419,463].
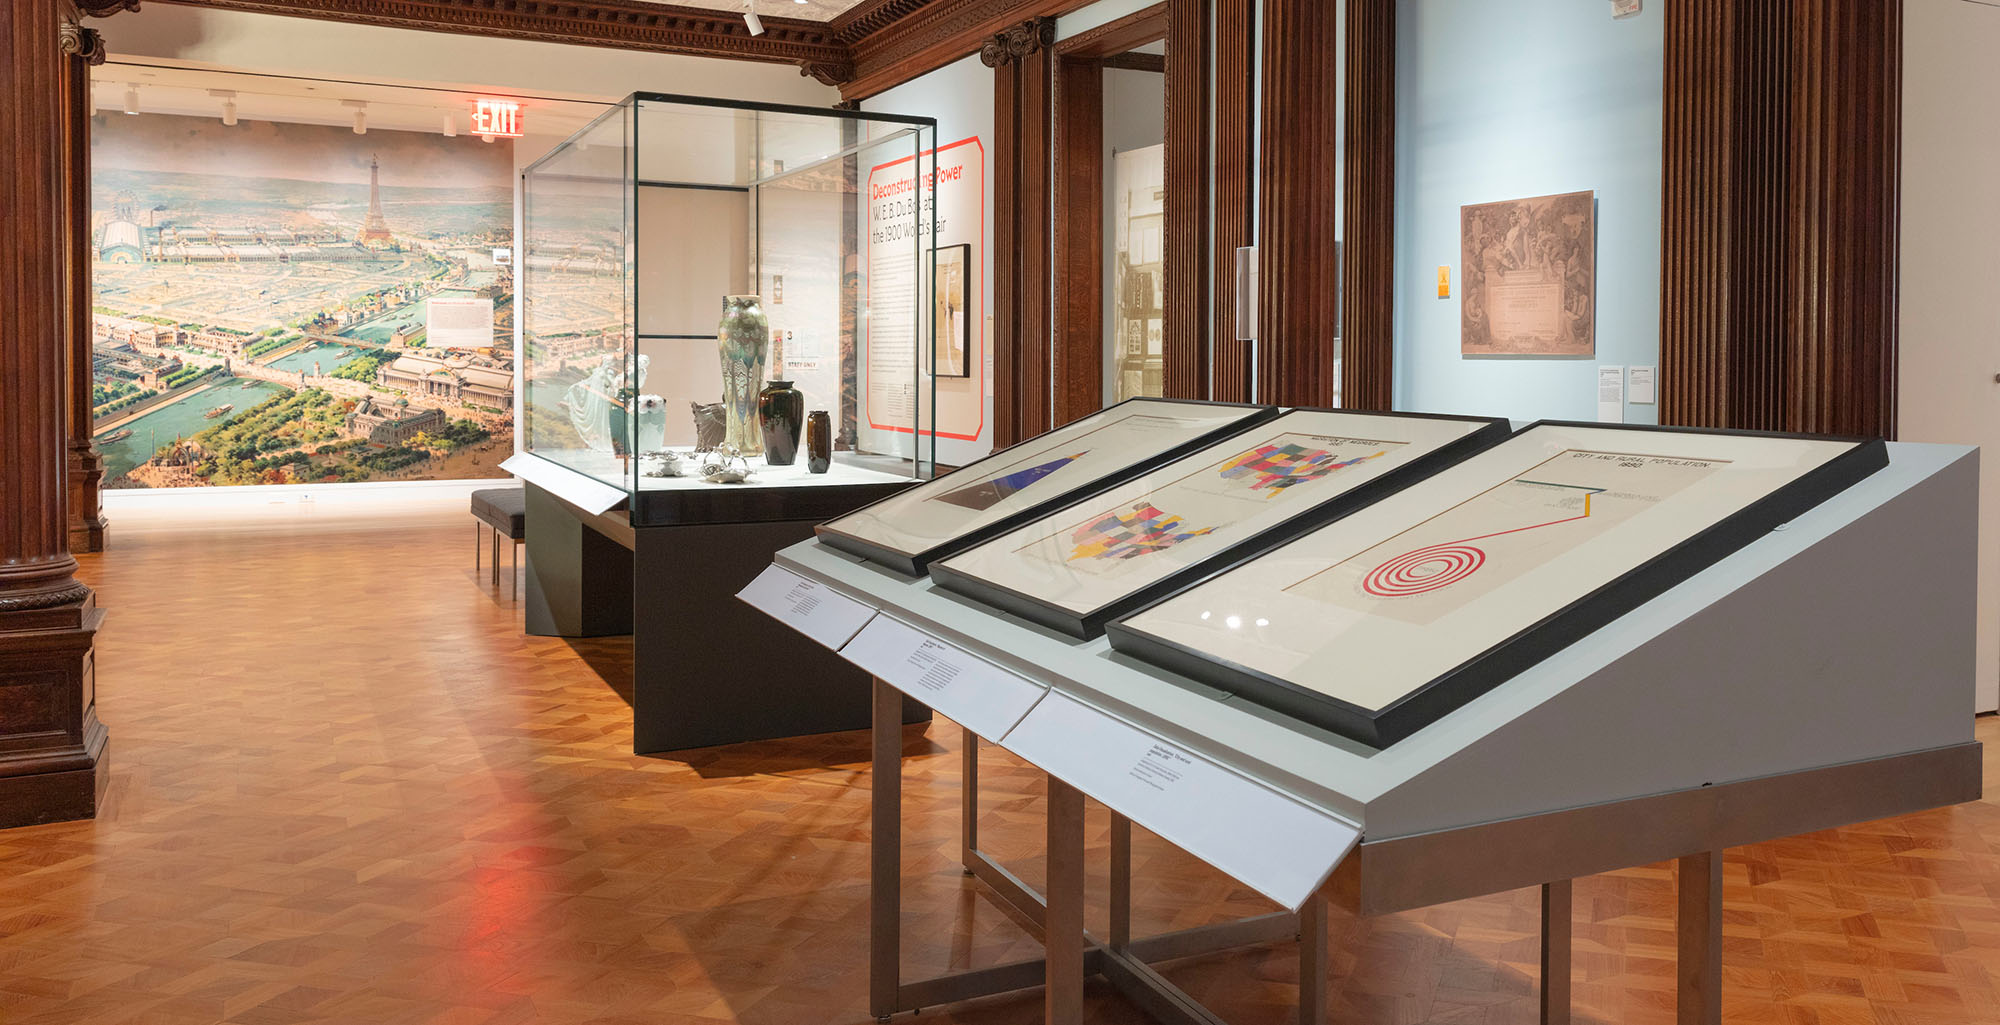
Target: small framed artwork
[951,354]
[1092,561]
[946,515]
[1379,624]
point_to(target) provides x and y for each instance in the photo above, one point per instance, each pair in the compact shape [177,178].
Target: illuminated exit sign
[496,117]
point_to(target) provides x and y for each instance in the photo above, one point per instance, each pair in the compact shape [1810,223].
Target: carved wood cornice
[624,24]
[1015,44]
[924,36]
[105,8]
[77,41]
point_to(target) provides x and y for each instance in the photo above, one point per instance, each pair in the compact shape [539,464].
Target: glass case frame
[637,230]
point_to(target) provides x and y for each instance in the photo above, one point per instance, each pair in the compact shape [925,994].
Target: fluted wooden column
[1186,266]
[1782,132]
[1296,255]
[1235,161]
[50,740]
[86,525]
[1022,279]
[1368,292]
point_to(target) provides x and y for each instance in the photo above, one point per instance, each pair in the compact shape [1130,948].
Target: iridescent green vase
[744,336]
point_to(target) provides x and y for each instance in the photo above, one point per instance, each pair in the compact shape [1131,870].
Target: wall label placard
[945,186]
[971,691]
[1277,846]
[811,608]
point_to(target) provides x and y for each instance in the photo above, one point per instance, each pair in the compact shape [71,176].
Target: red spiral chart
[1423,570]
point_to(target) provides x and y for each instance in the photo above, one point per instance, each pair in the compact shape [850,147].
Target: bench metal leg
[1699,972]
[1556,932]
[514,572]
[496,559]
[478,544]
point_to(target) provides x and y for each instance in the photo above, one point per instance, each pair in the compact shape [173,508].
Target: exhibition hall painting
[285,303]
[1529,273]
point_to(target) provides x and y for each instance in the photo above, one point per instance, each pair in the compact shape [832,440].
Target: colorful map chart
[986,494]
[1273,468]
[1144,530]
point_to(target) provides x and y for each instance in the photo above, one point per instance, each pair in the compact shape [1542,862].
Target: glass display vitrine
[722,306]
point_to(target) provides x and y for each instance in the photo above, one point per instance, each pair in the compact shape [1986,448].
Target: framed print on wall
[1089,562]
[909,530]
[1381,623]
[1528,280]
[952,344]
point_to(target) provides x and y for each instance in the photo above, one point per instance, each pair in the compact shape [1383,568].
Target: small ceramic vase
[819,442]
[743,338]
[780,414]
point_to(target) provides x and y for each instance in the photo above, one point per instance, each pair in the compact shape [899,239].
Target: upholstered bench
[502,511]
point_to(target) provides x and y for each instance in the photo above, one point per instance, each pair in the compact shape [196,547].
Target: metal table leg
[1313,960]
[1556,919]
[1699,925]
[1063,939]
[885,852]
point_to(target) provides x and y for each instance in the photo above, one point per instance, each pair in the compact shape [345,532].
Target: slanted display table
[1818,677]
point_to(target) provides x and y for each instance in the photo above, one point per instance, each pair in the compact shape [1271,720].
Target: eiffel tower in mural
[375,229]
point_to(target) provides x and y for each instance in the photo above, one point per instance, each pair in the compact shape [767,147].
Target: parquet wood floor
[345,788]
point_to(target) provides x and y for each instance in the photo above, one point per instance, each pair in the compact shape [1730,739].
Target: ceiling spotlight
[228,98]
[450,125]
[485,138]
[750,19]
[360,115]
[131,97]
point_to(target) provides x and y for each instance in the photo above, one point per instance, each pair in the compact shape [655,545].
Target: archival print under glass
[1379,623]
[945,515]
[1529,277]
[953,341]
[1247,492]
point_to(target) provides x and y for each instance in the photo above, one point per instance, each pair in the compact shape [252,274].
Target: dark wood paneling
[1368,271]
[85,480]
[1077,234]
[50,740]
[1779,253]
[1185,274]
[1295,220]
[1137,61]
[1022,69]
[1235,163]
[1076,224]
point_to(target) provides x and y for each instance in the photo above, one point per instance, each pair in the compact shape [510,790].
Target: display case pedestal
[706,668]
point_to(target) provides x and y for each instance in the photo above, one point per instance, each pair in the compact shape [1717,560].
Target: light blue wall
[1506,99]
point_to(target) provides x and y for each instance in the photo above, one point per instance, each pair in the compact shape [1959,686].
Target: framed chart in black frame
[1379,624]
[911,529]
[951,345]
[1091,561]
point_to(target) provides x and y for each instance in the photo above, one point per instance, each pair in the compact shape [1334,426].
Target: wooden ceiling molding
[623,24]
[927,36]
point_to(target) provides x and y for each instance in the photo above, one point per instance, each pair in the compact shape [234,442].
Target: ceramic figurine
[710,425]
[743,337]
[666,463]
[780,412]
[819,442]
[651,433]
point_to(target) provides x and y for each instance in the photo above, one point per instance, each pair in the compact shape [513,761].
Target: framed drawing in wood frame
[1119,550]
[941,517]
[1382,623]
[951,342]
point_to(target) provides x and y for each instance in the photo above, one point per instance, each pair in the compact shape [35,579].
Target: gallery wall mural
[287,303]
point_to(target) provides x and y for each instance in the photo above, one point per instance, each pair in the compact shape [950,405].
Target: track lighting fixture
[131,97]
[750,19]
[228,98]
[450,125]
[360,115]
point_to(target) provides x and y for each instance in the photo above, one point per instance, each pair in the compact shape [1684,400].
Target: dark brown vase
[780,413]
[819,441]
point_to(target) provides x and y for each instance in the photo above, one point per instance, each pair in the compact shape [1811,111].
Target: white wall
[1498,101]
[960,96]
[1949,324]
